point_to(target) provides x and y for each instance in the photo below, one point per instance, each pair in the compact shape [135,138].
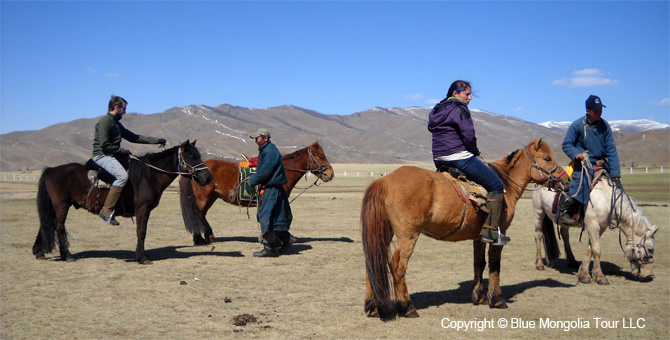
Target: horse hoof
[602,282]
[498,303]
[70,259]
[478,299]
[540,268]
[411,313]
[585,279]
[199,241]
[40,256]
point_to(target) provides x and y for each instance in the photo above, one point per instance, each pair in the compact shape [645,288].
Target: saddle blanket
[475,192]
[247,193]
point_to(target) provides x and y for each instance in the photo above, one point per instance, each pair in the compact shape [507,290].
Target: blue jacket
[597,139]
[274,211]
[452,128]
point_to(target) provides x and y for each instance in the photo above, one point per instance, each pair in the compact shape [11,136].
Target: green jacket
[108,135]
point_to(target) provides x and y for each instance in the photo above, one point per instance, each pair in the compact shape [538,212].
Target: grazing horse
[68,185]
[411,201]
[609,206]
[197,199]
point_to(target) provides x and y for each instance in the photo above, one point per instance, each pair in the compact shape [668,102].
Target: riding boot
[107,212]
[570,211]
[490,231]
[269,246]
[287,241]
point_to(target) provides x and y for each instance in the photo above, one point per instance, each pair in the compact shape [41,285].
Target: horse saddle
[466,189]
[247,168]
[99,176]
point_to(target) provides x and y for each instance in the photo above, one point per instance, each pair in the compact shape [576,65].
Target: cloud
[587,77]
[89,70]
[518,109]
[662,102]
[112,74]
[433,101]
[416,96]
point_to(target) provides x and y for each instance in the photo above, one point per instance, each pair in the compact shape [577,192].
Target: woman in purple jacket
[455,146]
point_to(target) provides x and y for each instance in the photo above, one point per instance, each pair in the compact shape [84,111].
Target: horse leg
[142,214]
[369,299]
[597,273]
[61,233]
[403,251]
[494,294]
[479,249]
[539,238]
[583,272]
[208,236]
[572,262]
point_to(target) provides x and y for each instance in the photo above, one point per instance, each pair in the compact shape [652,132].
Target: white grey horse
[609,206]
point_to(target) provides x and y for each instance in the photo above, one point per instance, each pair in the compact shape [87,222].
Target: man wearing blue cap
[589,138]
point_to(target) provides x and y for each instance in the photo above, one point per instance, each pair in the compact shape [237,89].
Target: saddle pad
[247,193]
[477,193]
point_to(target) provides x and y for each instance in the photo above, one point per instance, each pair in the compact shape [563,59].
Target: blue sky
[534,60]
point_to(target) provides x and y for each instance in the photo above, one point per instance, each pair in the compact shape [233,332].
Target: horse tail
[46,236]
[376,236]
[551,248]
[189,207]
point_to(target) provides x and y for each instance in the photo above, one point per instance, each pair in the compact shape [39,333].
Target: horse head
[191,165]
[319,164]
[641,254]
[544,168]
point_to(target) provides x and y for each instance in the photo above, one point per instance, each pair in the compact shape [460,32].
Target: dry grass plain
[315,292]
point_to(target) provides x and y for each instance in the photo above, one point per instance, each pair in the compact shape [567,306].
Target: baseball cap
[260,132]
[594,103]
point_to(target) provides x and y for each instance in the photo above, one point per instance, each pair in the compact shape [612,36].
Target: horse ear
[538,143]
[193,144]
[652,231]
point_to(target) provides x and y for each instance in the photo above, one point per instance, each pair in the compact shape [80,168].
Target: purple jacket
[452,128]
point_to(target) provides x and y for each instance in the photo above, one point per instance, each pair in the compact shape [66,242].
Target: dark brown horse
[411,201]
[68,185]
[197,199]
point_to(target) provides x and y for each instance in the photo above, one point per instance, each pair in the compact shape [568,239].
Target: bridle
[639,252]
[189,170]
[534,165]
[320,169]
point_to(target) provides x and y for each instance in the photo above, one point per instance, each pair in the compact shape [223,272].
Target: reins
[182,163]
[533,165]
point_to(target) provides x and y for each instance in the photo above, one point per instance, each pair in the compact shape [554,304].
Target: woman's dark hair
[114,101]
[458,86]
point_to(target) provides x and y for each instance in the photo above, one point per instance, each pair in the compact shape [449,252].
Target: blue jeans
[478,172]
[112,165]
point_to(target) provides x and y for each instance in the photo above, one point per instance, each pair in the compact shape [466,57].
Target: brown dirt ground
[315,292]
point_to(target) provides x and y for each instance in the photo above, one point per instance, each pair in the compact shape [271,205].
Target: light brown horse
[411,201]
[196,200]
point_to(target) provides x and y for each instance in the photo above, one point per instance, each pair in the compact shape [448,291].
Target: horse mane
[138,171]
[298,153]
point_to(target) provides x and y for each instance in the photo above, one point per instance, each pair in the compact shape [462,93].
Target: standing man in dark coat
[274,211]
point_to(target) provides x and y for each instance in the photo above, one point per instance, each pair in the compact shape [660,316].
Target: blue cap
[594,103]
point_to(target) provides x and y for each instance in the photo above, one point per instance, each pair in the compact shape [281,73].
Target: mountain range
[377,135]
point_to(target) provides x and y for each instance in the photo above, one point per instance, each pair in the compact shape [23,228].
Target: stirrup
[109,219]
[502,239]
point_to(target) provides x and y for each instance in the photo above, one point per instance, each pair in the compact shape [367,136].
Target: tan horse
[196,199]
[411,201]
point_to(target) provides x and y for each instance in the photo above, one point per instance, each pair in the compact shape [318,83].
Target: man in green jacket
[107,151]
